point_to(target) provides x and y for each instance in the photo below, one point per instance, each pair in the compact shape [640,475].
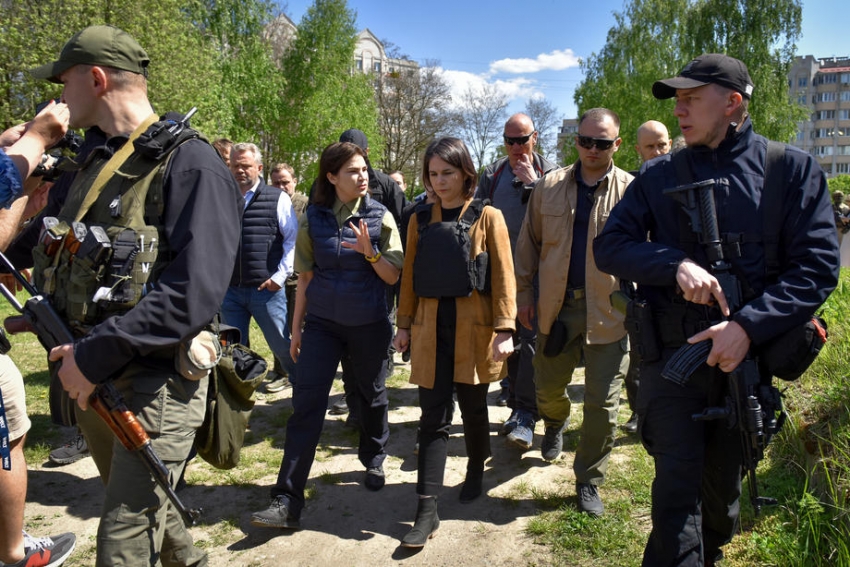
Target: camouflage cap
[97,45]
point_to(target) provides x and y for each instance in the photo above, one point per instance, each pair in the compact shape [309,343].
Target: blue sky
[531,49]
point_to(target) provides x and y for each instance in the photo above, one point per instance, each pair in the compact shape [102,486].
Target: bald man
[653,140]
[508,184]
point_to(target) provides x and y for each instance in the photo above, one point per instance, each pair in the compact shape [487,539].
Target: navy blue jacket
[808,249]
[261,246]
[345,288]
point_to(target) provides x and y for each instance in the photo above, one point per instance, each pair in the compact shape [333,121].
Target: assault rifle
[106,400]
[753,407]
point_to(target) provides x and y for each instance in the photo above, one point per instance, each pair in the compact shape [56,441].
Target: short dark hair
[599,114]
[334,157]
[454,152]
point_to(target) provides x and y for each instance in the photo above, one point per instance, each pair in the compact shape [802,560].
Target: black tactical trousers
[695,494]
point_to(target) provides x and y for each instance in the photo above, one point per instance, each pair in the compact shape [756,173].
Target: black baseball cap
[97,45]
[709,68]
[356,137]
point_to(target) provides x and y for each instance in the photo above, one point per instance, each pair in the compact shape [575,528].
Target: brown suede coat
[477,315]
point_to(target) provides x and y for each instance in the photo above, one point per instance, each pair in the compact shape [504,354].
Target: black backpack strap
[423,215]
[684,176]
[773,195]
[472,213]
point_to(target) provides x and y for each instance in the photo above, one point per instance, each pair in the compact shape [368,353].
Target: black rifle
[106,399]
[751,406]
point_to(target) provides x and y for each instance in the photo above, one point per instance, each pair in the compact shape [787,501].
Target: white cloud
[516,89]
[555,61]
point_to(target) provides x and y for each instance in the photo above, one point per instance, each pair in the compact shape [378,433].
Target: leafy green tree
[181,71]
[250,80]
[323,95]
[839,183]
[654,39]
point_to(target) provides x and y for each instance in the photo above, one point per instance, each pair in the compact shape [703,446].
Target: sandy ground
[343,523]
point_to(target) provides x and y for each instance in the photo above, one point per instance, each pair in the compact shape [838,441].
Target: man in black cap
[698,464]
[171,210]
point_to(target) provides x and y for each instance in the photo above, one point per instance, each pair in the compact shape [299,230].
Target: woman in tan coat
[458,322]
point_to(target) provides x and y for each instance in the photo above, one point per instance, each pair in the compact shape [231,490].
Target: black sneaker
[45,551]
[588,499]
[553,442]
[70,452]
[277,515]
[631,425]
[375,478]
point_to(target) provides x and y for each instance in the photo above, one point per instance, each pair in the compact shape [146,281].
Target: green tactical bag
[230,400]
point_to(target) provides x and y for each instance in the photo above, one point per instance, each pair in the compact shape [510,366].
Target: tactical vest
[345,288]
[442,266]
[261,246]
[101,262]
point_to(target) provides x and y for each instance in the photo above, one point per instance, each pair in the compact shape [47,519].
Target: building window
[802,82]
[360,64]
[826,97]
[801,99]
[825,115]
[842,168]
[845,78]
[843,151]
[845,96]
[800,136]
[377,67]
[827,79]
[844,114]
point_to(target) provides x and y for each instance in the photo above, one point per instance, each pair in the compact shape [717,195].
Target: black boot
[425,526]
[472,484]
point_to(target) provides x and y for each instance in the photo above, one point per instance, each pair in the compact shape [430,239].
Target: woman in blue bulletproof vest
[457,320]
[347,251]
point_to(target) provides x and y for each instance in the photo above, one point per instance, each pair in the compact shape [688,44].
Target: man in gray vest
[264,260]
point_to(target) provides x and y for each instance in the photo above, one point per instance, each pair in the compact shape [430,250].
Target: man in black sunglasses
[508,183]
[567,209]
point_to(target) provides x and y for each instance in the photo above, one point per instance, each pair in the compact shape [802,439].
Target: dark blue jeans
[323,344]
[268,308]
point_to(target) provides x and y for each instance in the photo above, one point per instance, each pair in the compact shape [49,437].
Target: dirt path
[343,524]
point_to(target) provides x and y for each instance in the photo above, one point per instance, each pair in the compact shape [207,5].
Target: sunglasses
[521,140]
[587,142]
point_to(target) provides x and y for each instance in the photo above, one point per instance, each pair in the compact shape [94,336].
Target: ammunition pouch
[790,354]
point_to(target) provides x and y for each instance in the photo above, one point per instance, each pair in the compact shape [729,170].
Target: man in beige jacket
[567,210]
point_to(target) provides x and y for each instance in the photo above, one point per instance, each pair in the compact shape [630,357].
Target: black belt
[575,293]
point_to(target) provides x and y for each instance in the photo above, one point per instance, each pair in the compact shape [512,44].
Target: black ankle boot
[472,484]
[425,526]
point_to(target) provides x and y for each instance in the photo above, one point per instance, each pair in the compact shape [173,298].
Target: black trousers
[437,407]
[323,345]
[697,486]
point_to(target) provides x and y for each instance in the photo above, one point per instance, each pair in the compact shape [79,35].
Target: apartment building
[823,86]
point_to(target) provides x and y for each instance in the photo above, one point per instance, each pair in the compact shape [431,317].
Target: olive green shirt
[390,240]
